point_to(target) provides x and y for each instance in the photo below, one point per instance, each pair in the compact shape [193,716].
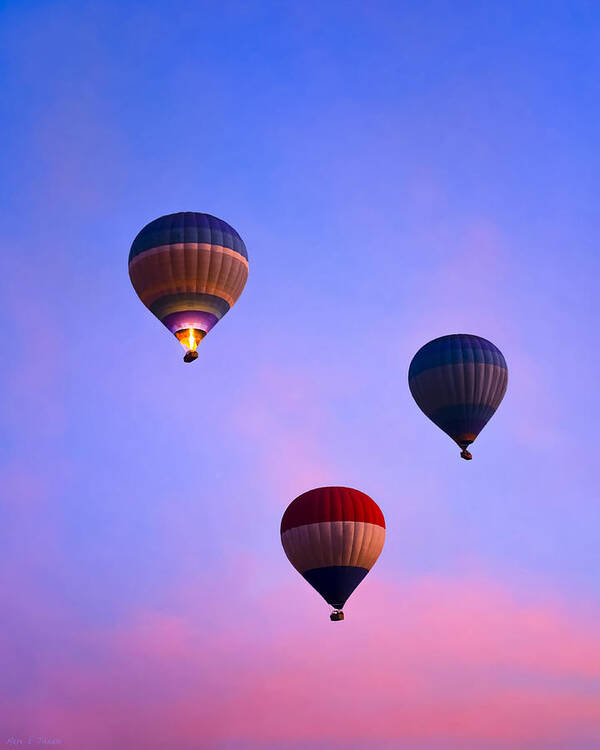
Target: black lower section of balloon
[336,582]
[462,418]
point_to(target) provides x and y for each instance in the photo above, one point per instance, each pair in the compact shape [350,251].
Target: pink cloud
[468,663]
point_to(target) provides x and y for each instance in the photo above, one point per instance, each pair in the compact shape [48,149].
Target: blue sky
[397,172]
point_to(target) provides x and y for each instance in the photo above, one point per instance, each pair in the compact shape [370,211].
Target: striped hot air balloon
[458,381]
[188,269]
[333,536]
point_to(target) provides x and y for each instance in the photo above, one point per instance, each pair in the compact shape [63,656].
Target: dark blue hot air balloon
[458,381]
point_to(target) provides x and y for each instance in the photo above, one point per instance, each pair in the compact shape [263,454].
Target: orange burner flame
[192,343]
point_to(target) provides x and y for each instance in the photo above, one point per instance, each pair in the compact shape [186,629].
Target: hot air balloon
[333,536]
[458,381]
[188,269]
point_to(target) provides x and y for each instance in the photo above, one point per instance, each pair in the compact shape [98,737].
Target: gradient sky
[398,171]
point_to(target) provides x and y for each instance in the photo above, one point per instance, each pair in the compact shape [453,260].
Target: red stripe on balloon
[331,504]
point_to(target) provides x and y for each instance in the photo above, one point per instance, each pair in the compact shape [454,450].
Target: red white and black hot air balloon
[333,536]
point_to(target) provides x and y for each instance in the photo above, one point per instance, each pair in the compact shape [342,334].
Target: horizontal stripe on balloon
[331,504]
[206,246]
[174,303]
[189,268]
[458,384]
[318,545]
[456,349]
[196,319]
[188,227]
[335,584]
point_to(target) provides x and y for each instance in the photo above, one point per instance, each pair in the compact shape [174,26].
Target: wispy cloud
[469,660]
[283,416]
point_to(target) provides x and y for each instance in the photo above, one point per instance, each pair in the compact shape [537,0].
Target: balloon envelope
[333,536]
[188,269]
[458,381]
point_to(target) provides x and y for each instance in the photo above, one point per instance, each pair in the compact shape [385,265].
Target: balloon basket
[190,356]
[465,454]
[336,616]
